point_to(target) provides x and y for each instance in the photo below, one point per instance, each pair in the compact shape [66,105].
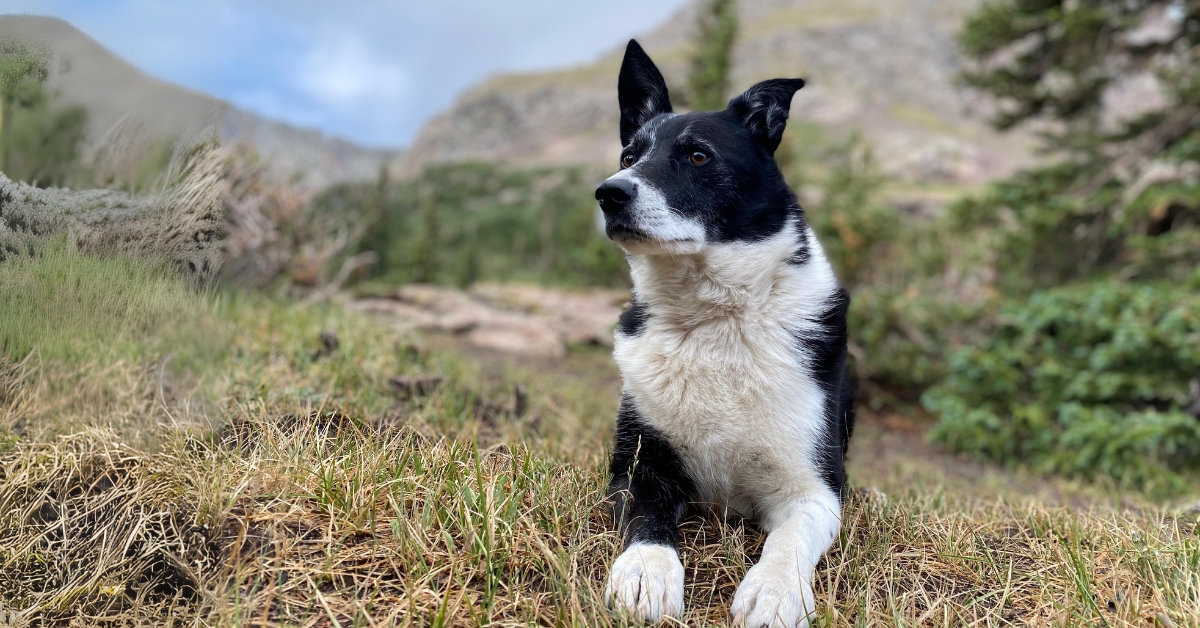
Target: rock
[409,387]
[329,341]
[182,225]
[518,319]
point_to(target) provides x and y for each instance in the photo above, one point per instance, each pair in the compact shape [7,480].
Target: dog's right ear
[763,109]
[641,91]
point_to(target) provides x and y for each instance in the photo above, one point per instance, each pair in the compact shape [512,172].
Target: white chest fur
[718,370]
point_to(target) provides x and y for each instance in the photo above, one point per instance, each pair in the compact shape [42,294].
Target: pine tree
[1089,365]
[1123,195]
[22,72]
[708,77]
[39,141]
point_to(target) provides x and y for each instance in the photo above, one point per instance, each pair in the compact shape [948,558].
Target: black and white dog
[732,352]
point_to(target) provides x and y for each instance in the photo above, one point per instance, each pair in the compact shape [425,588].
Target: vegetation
[39,142]
[1087,379]
[1050,318]
[904,311]
[293,483]
[460,224]
[708,75]
[1097,254]
[219,456]
[66,306]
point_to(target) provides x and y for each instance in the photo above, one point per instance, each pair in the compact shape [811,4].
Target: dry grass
[328,499]
[319,522]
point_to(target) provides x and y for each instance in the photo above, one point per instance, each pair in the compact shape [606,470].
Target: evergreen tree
[21,75]
[39,143]
[708,77]
[1089,366]
[1123,195]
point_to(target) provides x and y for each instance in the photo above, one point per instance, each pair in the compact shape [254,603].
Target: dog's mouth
[620,232]
[636,242]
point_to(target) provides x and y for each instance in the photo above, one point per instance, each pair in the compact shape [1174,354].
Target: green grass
[289,485]
[70,307]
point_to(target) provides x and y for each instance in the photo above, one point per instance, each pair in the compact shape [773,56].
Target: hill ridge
[882,68]
[130,111]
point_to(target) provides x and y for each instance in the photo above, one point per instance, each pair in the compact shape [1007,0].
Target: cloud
[341,73]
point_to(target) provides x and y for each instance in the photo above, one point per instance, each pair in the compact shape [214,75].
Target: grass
[71,307]
[283,483]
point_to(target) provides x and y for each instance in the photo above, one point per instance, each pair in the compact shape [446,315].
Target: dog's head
[688,180]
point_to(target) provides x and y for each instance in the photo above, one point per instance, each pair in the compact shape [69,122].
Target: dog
[732,351]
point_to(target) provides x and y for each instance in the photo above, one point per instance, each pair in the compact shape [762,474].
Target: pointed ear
[764,109]
[641,91]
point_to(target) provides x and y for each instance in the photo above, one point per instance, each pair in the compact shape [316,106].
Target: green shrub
[900,337]
[903,316]
[712,55]
[41,142]
[1083,380]
[853,226]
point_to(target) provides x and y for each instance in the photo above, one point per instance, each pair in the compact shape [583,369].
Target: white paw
[646,582]
[774,595]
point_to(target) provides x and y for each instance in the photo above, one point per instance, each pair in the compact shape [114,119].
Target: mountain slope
[129,112]
[883,68]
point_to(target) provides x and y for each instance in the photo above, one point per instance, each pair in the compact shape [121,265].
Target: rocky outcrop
[517,319]
[182,225]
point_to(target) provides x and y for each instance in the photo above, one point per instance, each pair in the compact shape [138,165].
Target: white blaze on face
[666,232]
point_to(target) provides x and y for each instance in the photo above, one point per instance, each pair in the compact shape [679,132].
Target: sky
[370,71]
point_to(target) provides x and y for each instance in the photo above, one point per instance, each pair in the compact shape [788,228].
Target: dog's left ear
[641,91]
[764,109]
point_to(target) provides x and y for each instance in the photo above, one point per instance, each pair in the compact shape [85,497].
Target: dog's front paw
[646,582]
[774,595]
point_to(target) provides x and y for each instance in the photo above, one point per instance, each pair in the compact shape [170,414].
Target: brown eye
[698,158]
[627,161]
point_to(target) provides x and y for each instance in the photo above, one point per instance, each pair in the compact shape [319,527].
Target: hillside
[884,68]
[130,112]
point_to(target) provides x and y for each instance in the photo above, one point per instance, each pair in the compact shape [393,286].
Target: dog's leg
[649,489]
[777,592]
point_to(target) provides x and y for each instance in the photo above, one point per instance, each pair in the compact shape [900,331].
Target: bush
[900,337]
[1081,380]
[904,310]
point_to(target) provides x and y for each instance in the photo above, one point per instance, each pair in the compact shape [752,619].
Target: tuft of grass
[102,341]
[72,307]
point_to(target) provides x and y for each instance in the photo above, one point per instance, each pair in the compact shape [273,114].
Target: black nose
[615,194]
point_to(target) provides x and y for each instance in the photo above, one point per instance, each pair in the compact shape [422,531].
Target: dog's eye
[698,158]
[627,161]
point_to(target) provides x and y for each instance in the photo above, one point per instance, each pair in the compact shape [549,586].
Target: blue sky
[370,71]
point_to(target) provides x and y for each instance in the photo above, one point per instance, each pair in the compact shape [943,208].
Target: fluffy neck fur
[735,280]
